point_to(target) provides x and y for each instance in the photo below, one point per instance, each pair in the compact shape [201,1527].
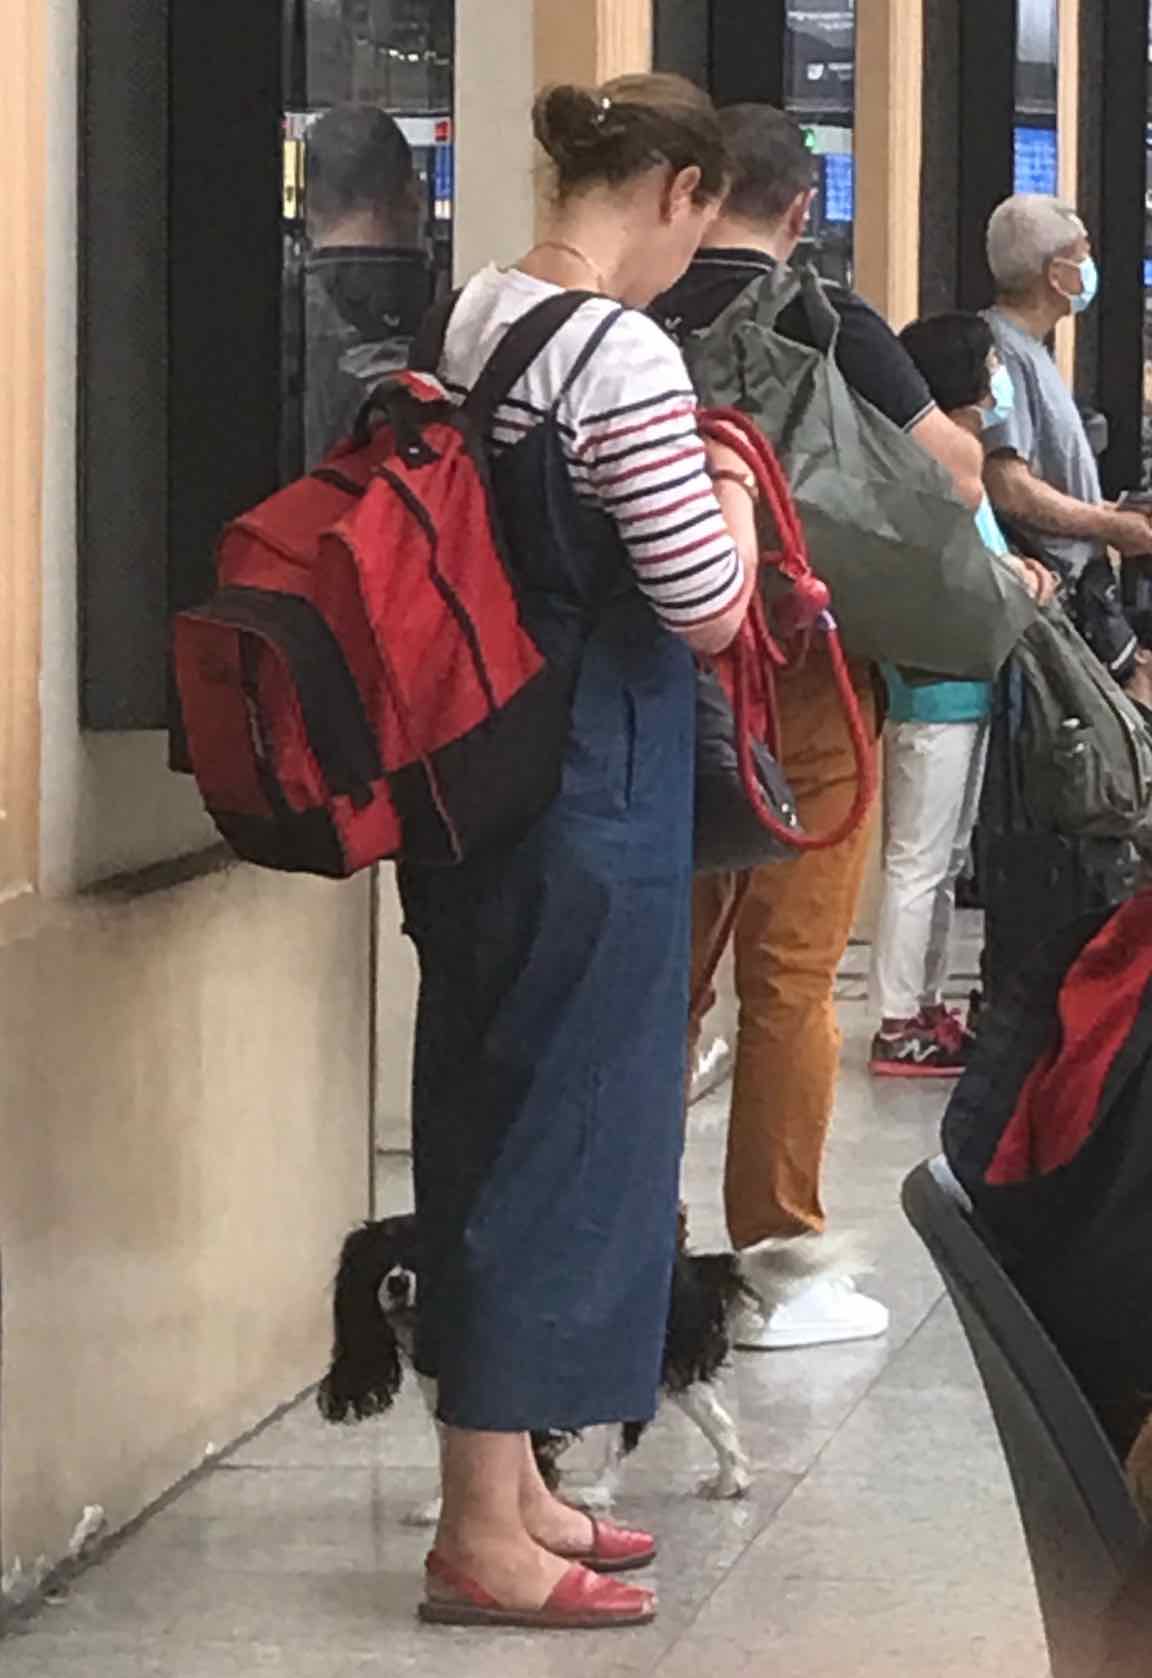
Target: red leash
[757,654]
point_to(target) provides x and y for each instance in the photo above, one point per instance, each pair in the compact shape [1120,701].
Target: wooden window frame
[593,41]
[22,192]
[888,144]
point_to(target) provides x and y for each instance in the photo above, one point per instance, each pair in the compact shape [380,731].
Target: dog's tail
[365,1373]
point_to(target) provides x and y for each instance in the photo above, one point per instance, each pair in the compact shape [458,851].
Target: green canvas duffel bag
[912,583]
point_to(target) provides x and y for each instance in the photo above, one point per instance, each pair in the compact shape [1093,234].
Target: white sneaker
[826,1312]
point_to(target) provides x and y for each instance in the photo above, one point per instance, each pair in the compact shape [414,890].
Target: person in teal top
[935,749]
[947,701]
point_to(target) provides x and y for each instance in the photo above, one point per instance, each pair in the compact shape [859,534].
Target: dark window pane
[368,190]
[1037,91]
[820,77]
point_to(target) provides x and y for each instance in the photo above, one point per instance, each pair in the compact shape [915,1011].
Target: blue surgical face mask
[1089,285]
[1003,399]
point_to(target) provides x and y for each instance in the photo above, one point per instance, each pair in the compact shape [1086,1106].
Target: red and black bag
[361,685]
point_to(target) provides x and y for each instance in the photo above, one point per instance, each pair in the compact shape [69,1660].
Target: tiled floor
[880,1540]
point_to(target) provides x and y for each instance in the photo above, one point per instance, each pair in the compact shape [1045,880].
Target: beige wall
[184,1093]
[183,1138]
[395,1007]
[495,85]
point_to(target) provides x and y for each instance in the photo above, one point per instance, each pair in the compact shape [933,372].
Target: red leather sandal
[582,1601]
[614,1549]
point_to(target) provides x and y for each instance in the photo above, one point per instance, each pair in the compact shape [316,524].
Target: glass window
[820,82]
[1037,88]
[369,169]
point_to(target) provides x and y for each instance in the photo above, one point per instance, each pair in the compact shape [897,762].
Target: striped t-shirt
[628,424]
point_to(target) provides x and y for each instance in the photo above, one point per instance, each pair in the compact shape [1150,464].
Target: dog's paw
[424,1514]
[727,1485]
[596,1499]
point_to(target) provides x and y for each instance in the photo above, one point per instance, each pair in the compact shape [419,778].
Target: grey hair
[1025,233]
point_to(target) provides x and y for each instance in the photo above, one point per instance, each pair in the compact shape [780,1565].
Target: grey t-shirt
[1046,431]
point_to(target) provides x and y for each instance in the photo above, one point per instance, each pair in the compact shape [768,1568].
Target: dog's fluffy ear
[366,1371]
[777,1270]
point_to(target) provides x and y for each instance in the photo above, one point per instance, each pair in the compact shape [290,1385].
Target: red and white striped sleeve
[633,448]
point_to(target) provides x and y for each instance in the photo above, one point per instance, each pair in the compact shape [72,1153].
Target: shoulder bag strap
[774,292]
[823,321]
[428,344]
[781,288]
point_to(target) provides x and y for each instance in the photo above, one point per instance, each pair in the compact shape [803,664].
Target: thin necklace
[574,251]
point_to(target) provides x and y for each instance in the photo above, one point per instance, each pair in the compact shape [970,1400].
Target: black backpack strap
[518,349]
[428,344]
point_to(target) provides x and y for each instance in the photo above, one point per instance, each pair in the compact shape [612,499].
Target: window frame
[22,313]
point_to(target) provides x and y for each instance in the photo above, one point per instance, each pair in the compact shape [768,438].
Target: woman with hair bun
[547,1100]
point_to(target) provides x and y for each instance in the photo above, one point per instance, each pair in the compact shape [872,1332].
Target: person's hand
[1129,532]
[1041,583]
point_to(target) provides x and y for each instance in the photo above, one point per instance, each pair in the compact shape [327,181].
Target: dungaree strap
[518,349]
[594,342]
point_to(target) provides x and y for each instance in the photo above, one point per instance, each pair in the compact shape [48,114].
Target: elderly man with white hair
[1041,476]
[1041,472]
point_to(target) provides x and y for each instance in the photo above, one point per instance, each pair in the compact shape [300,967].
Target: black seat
[1084,1533]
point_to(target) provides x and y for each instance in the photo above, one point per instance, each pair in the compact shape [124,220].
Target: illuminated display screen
[839,187]
[1037,161]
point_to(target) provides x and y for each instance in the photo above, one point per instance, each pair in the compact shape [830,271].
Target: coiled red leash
[757,654]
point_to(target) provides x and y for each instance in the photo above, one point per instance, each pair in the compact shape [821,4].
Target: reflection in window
[1037,90]
[820,83]
[369,169]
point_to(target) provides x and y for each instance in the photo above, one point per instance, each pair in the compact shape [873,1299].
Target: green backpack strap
[780,289]
[770,295]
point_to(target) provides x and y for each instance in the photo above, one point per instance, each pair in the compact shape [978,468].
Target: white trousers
[932,778]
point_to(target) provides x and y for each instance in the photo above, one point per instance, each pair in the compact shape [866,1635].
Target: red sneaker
[920,1049]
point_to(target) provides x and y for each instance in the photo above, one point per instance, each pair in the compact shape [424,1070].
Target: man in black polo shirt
[794,924]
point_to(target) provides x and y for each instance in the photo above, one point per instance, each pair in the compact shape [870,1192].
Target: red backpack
[361,686]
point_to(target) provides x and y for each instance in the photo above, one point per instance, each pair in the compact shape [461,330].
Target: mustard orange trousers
[790,935]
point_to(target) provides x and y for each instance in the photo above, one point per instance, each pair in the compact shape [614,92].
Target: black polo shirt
[872,359]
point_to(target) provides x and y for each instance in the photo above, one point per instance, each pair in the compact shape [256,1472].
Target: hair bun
[567,121]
